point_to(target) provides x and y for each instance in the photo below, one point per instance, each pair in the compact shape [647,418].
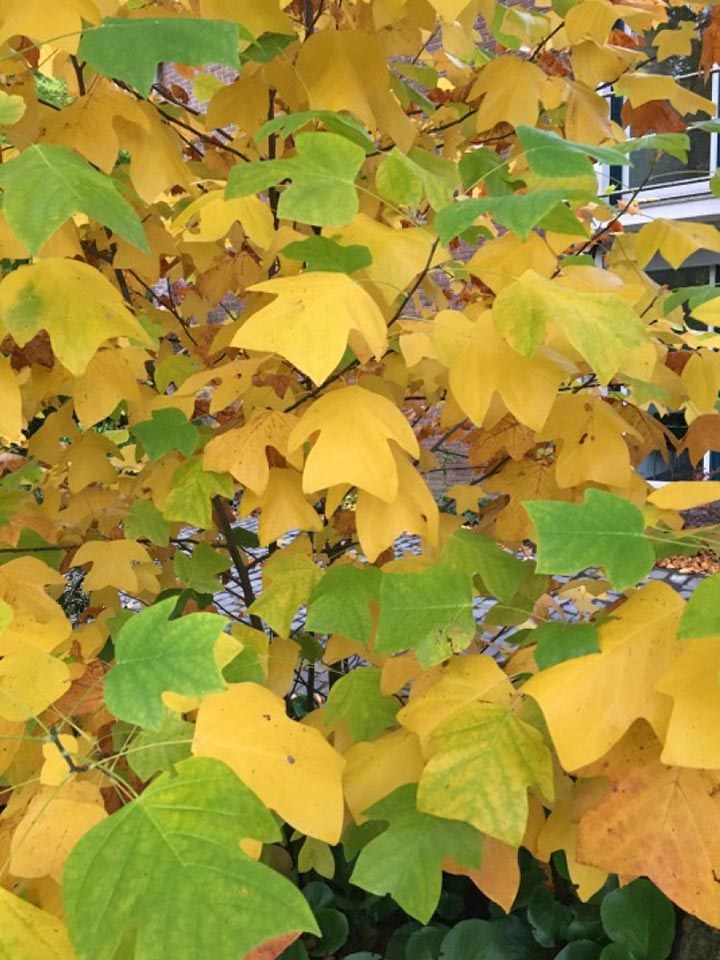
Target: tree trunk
[696,940]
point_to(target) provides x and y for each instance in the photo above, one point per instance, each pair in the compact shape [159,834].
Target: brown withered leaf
[655,116]
[273,948]
[85,695]
[507,436]
[710,50]
[703,435]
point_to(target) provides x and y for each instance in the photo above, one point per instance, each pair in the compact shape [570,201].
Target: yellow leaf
[675,42]
[60,23]
[211,216]
[55,769]
[108,380]
[310,320]
[692,681]
[674,240]
[659,822]
[377,767]
[482,364]
[290,766]
[283,506]
[462,681]
[511,88]
[485,760]
[282,662]
[590,436]
[498,877]
[639,88]
[498,262]
[355,428]
[701,379]
[398,255]
[288,580]
[55,820]
[684,494]
[78,307]
[29,933]
[413,511]
[257,16]
[11,418]
[347,70]
[243,451]
[589,702]
[560,830]
[112,564]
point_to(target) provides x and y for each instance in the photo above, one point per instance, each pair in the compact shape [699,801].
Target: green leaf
[640,918]
[474,940]
[47,184]
[334,930]
[356,699]
[548,919]
[344,124]
[405,179]
[267,47]
[406,859]
[159,751]
[199,571]
[322,253]
[694,296]
[12,108]
[323,174]
[429,612]
[130,50]
[485,758]
[604,531]
[519,212]
[286,585]
[165,876]
[557,642]
[486,166]
[155,654]
[168,430]
[424,944]
[615,951]
[701,617]
[501,572]
[146,522]
[549,155]
[191,493]
[580,950]
[675,144]
[340,602]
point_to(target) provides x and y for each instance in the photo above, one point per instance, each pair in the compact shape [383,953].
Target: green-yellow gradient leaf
[357,701]
[486,758]
[77,306]
[406,859]
[155,654]
[165,876]
[46,184]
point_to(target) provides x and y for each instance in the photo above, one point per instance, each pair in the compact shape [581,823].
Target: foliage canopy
[281,297]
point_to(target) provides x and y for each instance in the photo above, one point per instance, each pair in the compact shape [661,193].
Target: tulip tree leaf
[165,876]
[406,859]
[155,654]
[46,184]
[169,429]
[605,531]
[557,642]
[340,602]
[323,174]
[130,50]
[356,699]
[429,612]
